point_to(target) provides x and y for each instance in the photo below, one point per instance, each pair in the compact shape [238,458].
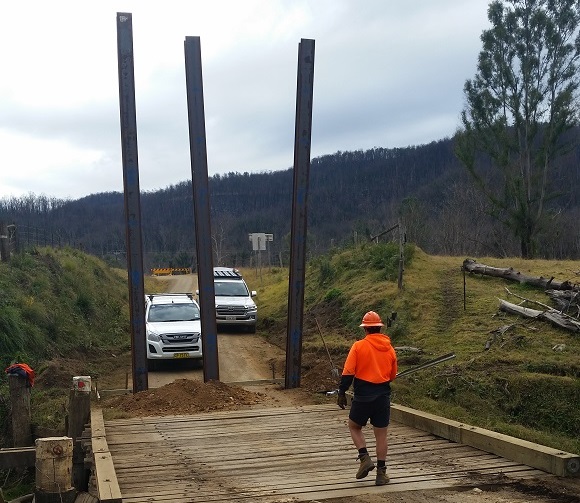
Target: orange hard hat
[372,319]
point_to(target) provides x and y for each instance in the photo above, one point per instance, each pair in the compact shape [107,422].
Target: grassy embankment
[64,313]
[520,386]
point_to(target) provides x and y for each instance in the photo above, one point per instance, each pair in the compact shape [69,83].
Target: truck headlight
[152,336]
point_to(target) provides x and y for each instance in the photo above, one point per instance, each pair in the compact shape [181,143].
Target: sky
[387,73]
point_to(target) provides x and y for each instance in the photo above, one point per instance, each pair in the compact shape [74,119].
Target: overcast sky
[387,73]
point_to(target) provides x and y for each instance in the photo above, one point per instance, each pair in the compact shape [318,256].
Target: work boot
[366,465]
[382,477]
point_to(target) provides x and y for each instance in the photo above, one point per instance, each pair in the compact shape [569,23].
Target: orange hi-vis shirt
[372,359]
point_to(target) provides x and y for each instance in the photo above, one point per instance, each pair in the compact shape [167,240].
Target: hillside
[521,386]
[352,195]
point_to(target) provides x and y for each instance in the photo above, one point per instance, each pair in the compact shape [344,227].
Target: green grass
[519,386]
[57,301]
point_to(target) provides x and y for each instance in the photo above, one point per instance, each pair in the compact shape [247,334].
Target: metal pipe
[425,365]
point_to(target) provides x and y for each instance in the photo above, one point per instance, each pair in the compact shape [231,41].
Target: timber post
[402,240]
[79,412]
[54,470]
[20,407]
[4,243]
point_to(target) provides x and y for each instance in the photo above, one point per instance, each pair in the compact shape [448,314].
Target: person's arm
[347,377]
[345,382]
[394,366]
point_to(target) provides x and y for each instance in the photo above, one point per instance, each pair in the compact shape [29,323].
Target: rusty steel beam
[132,199]
[302,141]
[201,207]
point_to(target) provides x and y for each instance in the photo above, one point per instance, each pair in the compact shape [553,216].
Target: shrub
[333,294]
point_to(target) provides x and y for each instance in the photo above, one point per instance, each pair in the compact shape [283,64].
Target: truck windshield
[230,289]
[173,312]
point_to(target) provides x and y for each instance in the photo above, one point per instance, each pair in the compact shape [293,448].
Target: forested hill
[352,195]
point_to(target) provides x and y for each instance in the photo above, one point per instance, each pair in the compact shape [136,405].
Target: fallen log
[551,315]
[511,274]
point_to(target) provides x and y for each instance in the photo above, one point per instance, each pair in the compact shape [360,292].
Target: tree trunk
[471,265]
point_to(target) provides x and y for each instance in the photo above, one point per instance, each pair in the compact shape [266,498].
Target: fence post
[54,470]
[20,406]
[4,242]
[79,412]
[401,255]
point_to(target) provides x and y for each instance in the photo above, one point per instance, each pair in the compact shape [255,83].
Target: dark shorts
[378,411]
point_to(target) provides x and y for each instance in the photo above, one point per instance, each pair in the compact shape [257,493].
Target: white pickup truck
[173,328]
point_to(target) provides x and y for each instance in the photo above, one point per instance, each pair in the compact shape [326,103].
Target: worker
[370,366]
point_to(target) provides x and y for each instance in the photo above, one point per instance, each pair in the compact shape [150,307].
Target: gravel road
[242,356]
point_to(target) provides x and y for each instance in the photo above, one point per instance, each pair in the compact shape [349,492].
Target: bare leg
[381,438]
[357,435]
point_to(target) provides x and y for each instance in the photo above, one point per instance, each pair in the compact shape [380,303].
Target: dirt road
[242,356]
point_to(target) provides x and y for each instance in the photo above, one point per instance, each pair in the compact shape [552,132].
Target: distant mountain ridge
[352,195]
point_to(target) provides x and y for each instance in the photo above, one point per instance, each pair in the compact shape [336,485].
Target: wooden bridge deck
[282,454]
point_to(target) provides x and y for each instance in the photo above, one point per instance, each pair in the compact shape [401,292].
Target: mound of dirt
[185,396]
[317,375]
[58,373]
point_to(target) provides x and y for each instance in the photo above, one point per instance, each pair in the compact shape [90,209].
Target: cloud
[387,74]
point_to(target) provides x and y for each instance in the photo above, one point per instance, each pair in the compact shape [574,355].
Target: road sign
[259,239]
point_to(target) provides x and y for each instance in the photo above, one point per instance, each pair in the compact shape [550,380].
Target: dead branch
[551,315]
[497,333]
[547,308]
[565,300]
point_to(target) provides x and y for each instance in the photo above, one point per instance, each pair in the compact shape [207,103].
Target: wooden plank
[193,459]
[317,491]
[557,462]
[17,457]
[332,410]
[108,490]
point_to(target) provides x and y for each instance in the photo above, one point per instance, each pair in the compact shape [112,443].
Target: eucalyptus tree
[520,108]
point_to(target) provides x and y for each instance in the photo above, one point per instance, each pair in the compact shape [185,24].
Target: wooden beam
[107,485]
[557,462]
[106,393]
[17,457]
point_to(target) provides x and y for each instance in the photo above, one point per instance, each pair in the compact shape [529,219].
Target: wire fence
[19,238]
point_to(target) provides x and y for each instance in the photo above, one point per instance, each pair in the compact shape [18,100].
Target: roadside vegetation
[520,386]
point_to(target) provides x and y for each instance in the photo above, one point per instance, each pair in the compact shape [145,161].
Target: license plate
[230,317]
[181,355]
